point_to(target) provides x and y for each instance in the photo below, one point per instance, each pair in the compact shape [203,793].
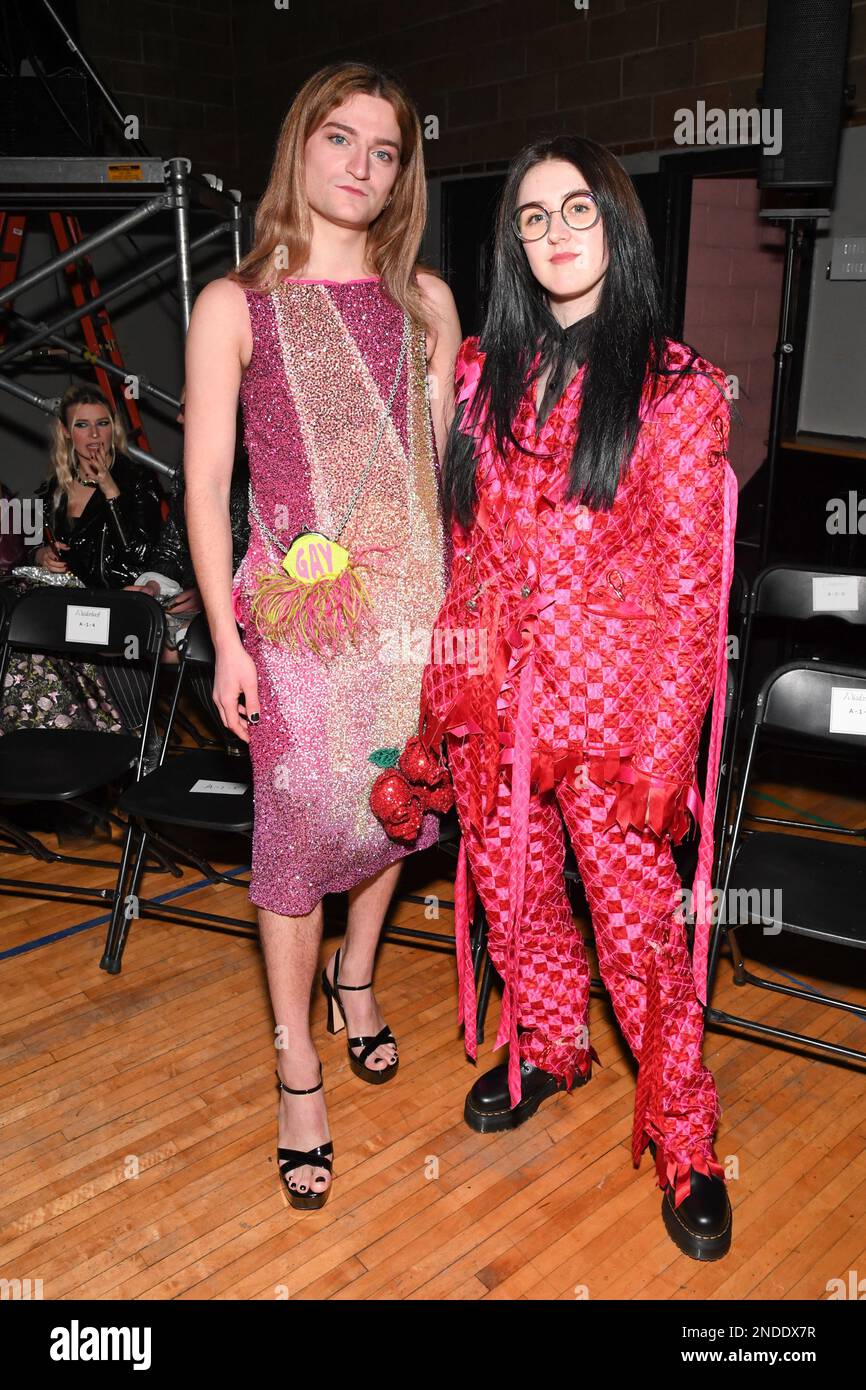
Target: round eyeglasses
[579,211]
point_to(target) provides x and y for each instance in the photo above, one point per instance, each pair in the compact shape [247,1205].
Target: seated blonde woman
[102,514]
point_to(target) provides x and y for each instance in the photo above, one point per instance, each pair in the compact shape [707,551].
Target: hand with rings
[94,468]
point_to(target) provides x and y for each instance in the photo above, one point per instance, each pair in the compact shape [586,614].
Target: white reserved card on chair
[204,784]
[847,710]
[86,624]
[834,593]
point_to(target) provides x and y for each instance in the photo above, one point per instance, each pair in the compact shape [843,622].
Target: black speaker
[805,49]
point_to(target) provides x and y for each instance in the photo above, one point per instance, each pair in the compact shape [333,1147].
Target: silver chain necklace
[362,480]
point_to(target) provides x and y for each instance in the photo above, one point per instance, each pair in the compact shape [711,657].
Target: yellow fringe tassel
[319,617]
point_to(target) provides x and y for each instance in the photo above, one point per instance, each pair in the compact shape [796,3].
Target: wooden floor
[138,1130]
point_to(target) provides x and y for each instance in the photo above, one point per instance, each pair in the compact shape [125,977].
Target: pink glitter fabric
[604,641]
[324,359]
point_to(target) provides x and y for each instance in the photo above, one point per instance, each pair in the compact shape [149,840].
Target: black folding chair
[68,765]
[822,883]
[781,608]
[737,602]
[737,608]
[196,789]
[8,600]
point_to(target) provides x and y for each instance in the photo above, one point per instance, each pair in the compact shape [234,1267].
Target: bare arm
[218,344]
[442,343]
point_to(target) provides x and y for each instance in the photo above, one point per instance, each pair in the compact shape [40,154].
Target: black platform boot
[702,1224]
[488,1105]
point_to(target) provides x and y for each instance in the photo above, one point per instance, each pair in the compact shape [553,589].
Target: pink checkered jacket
[594,640]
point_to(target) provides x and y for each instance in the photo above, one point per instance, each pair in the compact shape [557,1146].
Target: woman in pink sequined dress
[593,515]
[328,334]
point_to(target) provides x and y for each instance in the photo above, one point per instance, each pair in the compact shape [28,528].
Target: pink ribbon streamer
[678,1175]
[519,840]
[464,898]
[702,885]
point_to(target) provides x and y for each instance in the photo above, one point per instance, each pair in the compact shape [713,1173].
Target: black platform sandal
[320,1157]
[368,1045]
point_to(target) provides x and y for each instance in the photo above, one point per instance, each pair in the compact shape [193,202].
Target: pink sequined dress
[324,360]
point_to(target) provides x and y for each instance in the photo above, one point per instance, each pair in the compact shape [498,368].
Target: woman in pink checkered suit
[574,659]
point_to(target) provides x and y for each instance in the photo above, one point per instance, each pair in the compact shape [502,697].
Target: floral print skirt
[42,691]
[46,692]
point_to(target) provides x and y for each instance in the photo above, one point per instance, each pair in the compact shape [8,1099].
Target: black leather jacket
[110,541]
[170,555]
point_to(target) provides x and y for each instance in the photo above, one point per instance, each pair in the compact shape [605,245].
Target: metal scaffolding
[146,186]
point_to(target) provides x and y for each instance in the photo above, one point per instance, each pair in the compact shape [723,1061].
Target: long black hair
[626,340]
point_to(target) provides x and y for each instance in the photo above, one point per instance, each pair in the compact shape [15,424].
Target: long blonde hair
[283,215]
[62,453]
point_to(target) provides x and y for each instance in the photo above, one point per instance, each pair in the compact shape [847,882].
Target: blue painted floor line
[787,806]
[48,940]
[106,916]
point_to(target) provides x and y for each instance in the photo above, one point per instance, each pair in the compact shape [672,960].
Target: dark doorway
[468,219]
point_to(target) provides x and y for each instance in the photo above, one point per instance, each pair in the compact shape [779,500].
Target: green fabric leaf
[385,757]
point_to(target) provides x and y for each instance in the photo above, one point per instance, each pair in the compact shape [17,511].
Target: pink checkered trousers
[572,664]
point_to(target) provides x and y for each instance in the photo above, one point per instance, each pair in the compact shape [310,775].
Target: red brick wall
[212,78]
[732,303]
